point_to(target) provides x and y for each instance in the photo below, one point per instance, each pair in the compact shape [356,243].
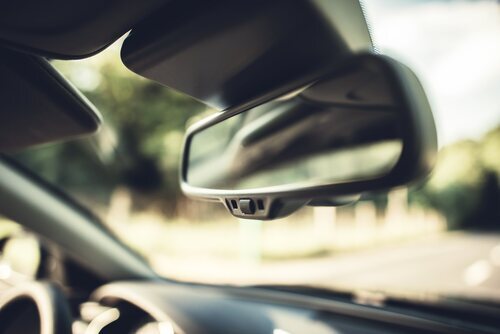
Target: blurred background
[440,236]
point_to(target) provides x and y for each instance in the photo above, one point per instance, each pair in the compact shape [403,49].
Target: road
[461,264]
[466,264]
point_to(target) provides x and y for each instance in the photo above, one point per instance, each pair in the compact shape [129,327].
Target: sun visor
[38,105]
[225,53]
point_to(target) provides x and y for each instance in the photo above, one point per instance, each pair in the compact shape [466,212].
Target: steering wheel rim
[51,305]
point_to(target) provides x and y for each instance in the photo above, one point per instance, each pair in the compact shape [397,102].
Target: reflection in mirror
[342,129]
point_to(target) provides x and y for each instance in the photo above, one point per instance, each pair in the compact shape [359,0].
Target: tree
[465,183]
[139,143]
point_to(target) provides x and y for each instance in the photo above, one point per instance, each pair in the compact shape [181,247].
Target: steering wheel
[34,308]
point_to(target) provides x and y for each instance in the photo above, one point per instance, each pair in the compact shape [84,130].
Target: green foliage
[139,144]
[465,183]
[144,116]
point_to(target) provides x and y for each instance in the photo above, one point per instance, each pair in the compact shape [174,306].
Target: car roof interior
[69,29]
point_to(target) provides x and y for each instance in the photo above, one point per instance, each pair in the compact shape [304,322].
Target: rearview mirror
[363,126]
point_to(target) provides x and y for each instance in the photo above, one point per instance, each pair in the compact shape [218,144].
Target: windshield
[441,236]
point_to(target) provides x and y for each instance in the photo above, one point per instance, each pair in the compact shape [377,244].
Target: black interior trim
[69,29]
[38,104]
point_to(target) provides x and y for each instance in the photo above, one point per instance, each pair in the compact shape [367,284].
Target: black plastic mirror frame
[416,160]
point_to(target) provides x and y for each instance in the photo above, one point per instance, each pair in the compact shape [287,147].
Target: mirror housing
[378,99]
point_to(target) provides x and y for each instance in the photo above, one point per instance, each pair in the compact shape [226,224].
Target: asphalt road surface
[459,263]
[463,264]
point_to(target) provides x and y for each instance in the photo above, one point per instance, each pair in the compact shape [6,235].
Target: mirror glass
[343,128]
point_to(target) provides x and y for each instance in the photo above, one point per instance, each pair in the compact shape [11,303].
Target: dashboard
[167,307]
[175,308]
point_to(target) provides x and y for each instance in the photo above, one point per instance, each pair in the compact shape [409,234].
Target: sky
[454,48]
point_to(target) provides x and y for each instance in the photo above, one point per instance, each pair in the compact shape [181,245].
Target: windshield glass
[442,236]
